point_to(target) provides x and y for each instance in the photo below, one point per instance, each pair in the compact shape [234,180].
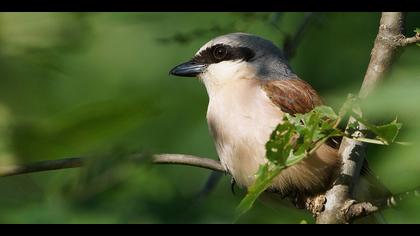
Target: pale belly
[241,125]
[240,144]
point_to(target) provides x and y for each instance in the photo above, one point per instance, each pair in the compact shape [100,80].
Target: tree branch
[388,39]
[337,205]
[73,162]
[337,208]
[351,210]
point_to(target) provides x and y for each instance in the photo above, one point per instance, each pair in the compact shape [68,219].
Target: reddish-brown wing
[292,95]
[296,96]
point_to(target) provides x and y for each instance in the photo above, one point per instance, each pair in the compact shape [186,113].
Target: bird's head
[234,56]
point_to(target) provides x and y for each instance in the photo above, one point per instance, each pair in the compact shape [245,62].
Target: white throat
[240,117]
[225,73]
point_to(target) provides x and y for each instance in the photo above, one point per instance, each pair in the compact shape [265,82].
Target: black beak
[188,69]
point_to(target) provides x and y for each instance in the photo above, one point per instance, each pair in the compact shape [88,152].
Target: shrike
[250,87]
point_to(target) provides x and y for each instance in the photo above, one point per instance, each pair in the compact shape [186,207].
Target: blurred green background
[97,84]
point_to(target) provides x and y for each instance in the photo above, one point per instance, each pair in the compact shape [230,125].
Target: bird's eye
[219,52]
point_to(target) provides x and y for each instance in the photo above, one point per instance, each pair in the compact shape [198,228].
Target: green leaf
[266,173]
[326,111]
[299,135]
[289,143]
[385,133]
[417,30]
[293,159]
[388,132]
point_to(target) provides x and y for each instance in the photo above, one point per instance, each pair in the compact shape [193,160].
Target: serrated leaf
[326,111]
[292,140]
[293,158]
[386,133]
[299,135]
[278,147]
[266,173]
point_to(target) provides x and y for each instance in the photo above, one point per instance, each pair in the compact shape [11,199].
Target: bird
[251,86]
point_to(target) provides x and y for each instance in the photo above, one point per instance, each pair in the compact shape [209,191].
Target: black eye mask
[221,52]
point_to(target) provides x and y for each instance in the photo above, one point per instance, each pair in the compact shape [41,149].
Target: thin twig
[65,163]
[396,199]
[74,162]
[362,209]
[182,159]
[408,41]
